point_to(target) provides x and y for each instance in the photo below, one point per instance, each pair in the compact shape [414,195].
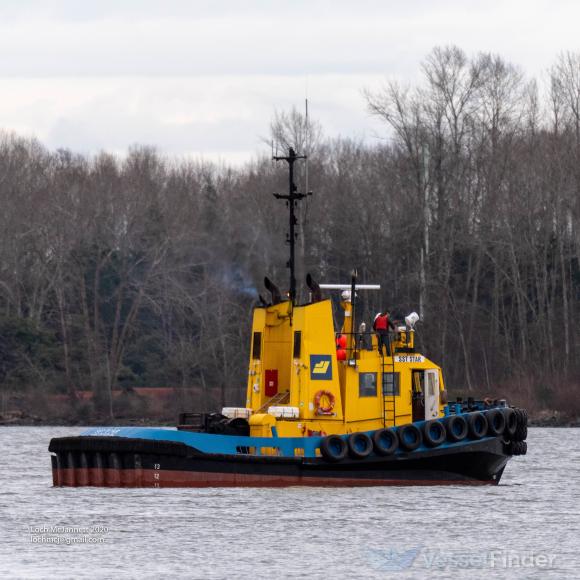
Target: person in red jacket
[381,326]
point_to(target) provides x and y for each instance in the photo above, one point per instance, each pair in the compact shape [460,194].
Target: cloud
[219,117]
[206,76]
[233,38]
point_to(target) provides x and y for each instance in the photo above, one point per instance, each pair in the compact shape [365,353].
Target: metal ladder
[278,399]
[389,405]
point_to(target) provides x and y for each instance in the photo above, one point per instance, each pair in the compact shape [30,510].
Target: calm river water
[527,527]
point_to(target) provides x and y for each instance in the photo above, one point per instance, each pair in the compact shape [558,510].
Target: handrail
[394,336]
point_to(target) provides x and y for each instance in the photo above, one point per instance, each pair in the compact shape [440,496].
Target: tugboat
[323,408]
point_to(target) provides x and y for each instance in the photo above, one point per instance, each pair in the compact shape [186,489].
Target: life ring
[327,409]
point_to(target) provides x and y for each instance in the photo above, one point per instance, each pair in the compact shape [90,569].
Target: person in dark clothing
[381,326]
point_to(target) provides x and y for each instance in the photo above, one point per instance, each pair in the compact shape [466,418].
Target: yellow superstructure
[300,383]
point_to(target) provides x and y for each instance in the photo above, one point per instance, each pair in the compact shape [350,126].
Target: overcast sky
[203,78]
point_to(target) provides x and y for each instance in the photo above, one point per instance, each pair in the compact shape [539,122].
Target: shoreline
[96,422]
[539,420]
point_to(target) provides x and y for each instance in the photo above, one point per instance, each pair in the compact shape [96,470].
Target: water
[527,527]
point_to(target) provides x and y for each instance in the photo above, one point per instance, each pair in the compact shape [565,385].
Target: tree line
[143,270]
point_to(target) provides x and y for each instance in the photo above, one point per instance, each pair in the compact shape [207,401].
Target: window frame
[363,394]
[257,346]
[391,388]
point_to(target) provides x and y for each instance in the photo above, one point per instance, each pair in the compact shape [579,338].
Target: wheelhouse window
[257,346]
[367,385]
[297,343]
[391,384]
[432,384]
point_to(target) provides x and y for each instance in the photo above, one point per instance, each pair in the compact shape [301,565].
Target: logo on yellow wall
[320,367]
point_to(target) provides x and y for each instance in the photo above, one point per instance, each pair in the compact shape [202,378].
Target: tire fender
[456,426]
[434,433]
[385,441]
[495,422]
[360,445]
[333,448]
[477,425]
[409,437]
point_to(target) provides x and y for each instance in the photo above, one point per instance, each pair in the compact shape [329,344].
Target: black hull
[124,462]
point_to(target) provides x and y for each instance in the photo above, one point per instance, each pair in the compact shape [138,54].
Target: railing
[399,341]
[280,398]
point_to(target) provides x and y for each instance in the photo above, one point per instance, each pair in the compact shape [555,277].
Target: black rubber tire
[385,442]
[511,422]
[476,425]
[521,433]
[434,433]
[525,413]
[333,448]
[456,426]
[518,448]
[360,445]
[522,417]
[239,426]
[409,437]
[495,422]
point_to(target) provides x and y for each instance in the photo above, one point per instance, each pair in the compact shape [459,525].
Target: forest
[119,274]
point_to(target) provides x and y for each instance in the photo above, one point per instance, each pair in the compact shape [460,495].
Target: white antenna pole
[306,143]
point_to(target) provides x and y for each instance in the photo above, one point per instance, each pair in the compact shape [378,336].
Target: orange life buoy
[326,409]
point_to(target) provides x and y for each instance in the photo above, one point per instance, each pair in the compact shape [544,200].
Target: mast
[292,199]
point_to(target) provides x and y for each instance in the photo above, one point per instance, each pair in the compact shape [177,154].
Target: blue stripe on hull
[231,444]
[210,443]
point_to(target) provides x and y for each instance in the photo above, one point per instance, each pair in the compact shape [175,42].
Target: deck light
[411,320]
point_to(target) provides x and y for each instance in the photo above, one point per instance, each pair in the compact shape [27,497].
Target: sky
[203,79]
